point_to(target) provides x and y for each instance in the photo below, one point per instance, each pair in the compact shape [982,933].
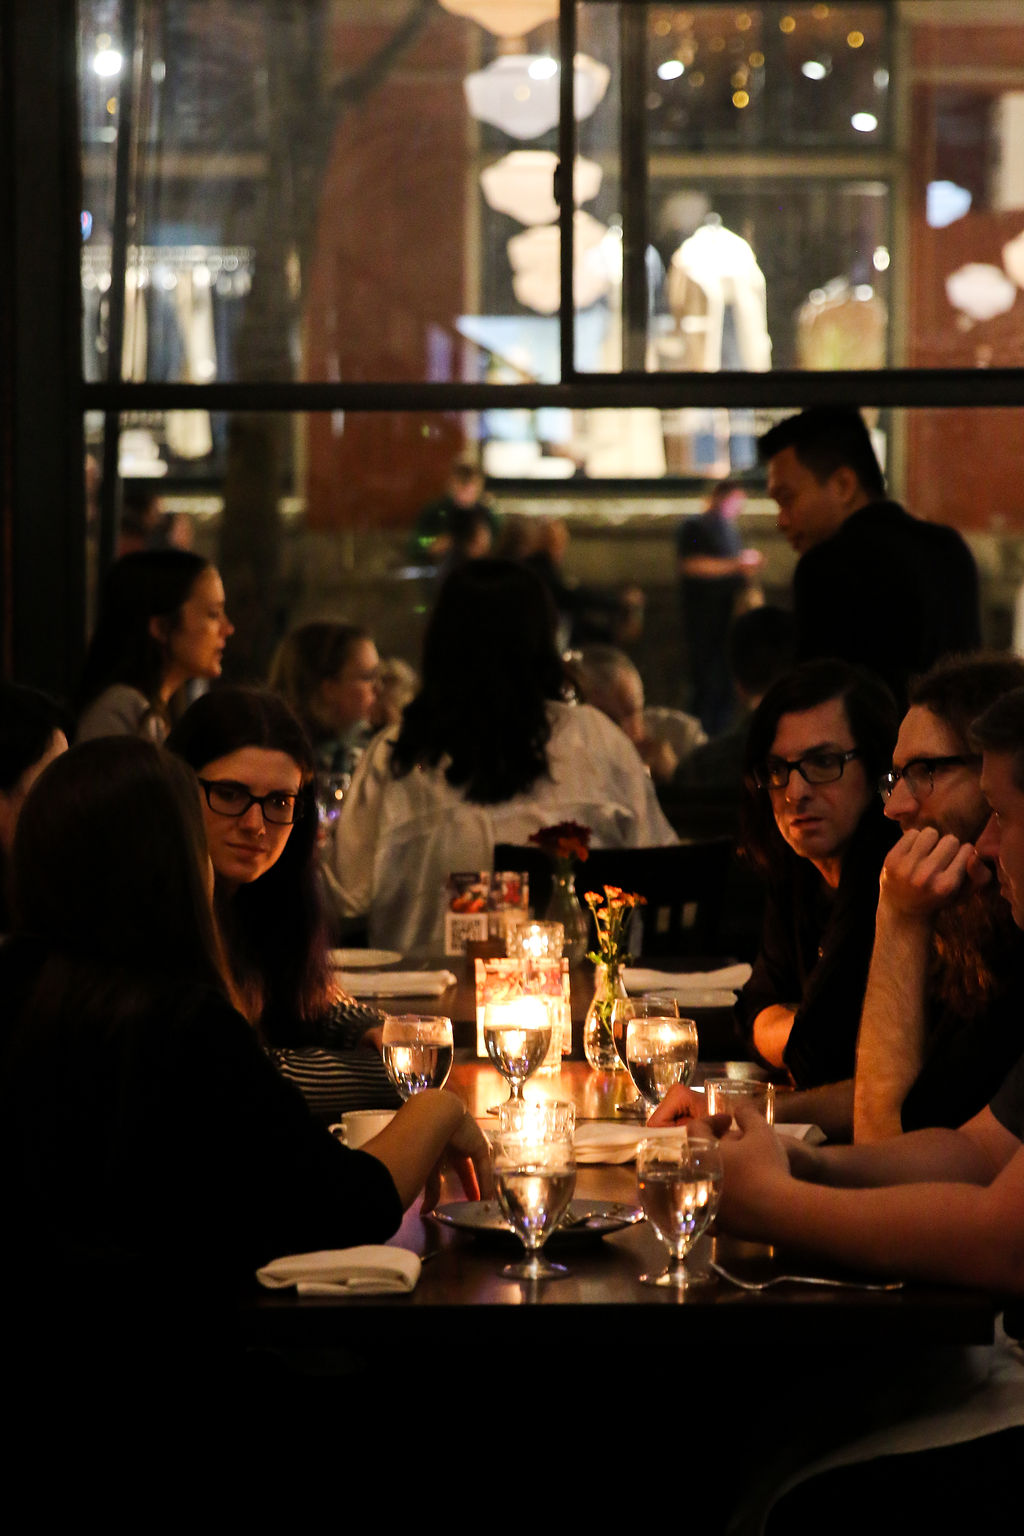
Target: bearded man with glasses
[941,1024]
[812,823]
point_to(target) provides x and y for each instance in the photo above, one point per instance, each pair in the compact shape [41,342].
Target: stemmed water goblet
[679,1179]
[534,1176]
[517,1034]
[659,1054]
[418,1052]
[664,1008]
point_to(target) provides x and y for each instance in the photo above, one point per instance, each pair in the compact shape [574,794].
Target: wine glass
[656,1005]
[679,1179]
[517,1034]
[534,1176]
[418,1052]
[659,1054]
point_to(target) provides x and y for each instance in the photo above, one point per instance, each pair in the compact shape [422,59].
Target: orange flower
[564,842]
[610,920]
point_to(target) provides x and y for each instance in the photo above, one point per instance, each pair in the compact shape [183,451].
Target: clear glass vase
[598,1044]
[564,907]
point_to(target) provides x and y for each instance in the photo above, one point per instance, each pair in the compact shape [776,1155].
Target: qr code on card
[460,928]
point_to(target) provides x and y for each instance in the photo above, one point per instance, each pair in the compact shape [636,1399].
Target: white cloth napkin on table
[368,1271]
[609,1141]
[707,989]
[395,983]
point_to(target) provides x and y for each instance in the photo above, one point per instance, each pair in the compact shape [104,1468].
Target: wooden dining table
[716,1026]
[463,1299]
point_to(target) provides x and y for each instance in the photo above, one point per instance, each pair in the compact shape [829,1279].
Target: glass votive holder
[538,1119]
[536,941]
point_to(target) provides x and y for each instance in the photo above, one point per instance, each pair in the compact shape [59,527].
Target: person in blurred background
[714,574]
[605,677]
[328,674]
[487,752]
[163,622]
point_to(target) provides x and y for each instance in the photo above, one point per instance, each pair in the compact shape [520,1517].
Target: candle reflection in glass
[517,1034]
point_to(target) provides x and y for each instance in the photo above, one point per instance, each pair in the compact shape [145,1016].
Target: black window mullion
[121,234]
[946,388]
[633,140]
[566,177]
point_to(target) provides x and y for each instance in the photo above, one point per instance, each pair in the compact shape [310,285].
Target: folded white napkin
[608,1141]
[395,983]
[812,1134]
[365,1271]
[690,985]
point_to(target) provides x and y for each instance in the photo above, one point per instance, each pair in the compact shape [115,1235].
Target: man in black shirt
[942,1019]
[939,1205]
[873,585]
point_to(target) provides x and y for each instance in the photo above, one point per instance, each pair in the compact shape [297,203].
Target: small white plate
[587,1218]
[362,959]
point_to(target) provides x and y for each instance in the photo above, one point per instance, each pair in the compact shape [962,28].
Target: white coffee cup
[358,1126]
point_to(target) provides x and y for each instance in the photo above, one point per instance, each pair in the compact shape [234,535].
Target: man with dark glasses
[944,1007]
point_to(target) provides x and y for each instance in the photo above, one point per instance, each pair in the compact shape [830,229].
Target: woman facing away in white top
[488,751]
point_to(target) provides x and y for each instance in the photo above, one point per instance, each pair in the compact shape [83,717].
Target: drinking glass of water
[517,1034]
[679,1180]
[418,1052]
[659,1054]
[725,1093]
[534,1176]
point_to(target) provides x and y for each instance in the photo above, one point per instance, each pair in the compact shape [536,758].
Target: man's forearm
[830,1107]
[771,1031]
[890,1044]
[956,1233]
[936,1156]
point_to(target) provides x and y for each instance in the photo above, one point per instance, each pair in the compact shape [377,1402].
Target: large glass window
[362,198]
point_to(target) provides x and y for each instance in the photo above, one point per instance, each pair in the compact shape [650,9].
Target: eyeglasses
[230,799]
[919,774]
[813,768]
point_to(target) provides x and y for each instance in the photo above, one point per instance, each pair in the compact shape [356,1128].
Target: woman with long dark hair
[255,767]
[488,751]
[162,623]
[150,1147]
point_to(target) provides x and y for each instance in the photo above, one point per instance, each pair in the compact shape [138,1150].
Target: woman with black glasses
[812,823]
[153,1159]
[255,767]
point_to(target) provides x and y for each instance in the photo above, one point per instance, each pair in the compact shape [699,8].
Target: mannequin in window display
[717,296]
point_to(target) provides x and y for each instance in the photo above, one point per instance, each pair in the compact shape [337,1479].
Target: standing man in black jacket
[873,585]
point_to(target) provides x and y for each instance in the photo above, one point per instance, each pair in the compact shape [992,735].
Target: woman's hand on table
[430,1129]
[468,1154]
